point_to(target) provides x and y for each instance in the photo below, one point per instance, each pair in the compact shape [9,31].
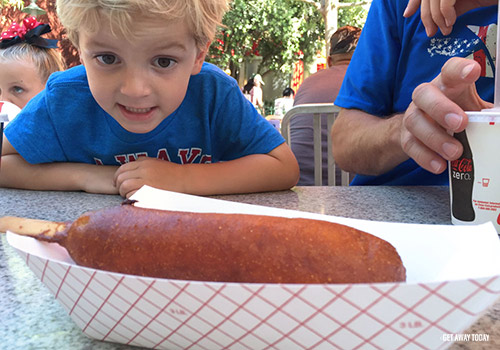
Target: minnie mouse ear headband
[30,32]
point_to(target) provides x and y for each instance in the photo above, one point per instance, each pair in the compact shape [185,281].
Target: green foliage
[280,31]
[8,7]
[12,3]
[353,16]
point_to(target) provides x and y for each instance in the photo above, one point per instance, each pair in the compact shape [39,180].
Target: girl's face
[140,81]
[19,81]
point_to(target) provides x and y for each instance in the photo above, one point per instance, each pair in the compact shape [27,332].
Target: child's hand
[277,170]
[442,14]
[434,14]
[148,171]
[97,178]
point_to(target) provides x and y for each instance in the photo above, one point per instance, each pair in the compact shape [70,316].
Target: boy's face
[140,81]
[19,82]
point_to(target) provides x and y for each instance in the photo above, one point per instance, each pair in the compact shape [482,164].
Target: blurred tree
[279,31]
[338,13]
[11,12]
[8,10]
[19,4]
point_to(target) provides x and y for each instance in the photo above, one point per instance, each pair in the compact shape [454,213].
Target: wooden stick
[31,227]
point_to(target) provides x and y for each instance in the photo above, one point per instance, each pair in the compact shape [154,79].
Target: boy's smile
[141,80]
[138,114]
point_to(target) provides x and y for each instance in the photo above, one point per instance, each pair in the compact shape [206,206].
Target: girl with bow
[26,61]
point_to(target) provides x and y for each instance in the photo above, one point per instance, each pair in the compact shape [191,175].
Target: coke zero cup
[475,176]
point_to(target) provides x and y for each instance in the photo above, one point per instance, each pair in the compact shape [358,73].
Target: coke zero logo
[463,165]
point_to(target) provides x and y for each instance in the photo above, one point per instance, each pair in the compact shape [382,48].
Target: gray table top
[30,317]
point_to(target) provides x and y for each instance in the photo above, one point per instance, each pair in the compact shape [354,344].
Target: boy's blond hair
[203,16]
[46,61]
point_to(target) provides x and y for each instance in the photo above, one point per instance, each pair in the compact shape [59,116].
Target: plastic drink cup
[475,176]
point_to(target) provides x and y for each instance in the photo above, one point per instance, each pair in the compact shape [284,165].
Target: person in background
[257,95]
[144,109]
[393,57]
[288,93]
[247,88]
[321,87]
[26,61]
[284,103]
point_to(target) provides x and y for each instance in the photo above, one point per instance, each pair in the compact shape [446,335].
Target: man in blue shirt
[394,56]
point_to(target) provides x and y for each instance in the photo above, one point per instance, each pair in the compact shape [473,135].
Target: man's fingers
[457,82]
[421,154]
[423,140]
[429,133]
[432,101]
[458,71]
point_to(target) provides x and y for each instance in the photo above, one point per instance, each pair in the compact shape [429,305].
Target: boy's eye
[107,59]
[164,62]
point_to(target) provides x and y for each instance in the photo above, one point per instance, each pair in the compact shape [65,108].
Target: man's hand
[442,14]
[437,111]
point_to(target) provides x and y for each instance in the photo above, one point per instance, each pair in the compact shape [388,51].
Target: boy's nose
[135,83]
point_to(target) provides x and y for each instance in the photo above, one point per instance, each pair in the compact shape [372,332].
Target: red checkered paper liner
[441,297]
[172,314]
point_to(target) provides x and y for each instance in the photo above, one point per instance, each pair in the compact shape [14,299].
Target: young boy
[144,109]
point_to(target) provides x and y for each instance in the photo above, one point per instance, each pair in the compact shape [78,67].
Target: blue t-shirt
[215,122]
[394,55]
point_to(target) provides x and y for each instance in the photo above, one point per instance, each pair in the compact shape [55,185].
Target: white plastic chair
[316,110]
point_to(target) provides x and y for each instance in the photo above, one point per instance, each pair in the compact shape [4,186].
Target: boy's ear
[200,58]
[80,57]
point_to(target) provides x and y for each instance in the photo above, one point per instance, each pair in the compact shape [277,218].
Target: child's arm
[442,13]
[277,170]
[15,172]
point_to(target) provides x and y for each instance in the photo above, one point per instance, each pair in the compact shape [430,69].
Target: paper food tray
[453,276]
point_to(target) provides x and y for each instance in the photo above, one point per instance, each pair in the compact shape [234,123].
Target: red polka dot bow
[29,31]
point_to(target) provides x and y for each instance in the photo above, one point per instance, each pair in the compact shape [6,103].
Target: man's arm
[277,170]
[366,144]
[15,172]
